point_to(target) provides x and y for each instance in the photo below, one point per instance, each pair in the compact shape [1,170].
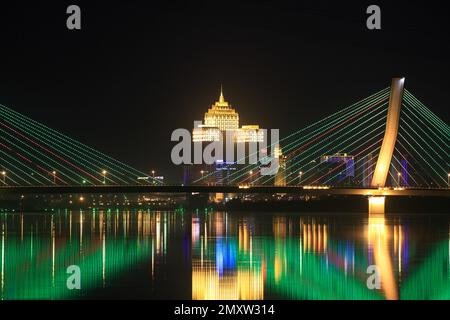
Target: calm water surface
[223,255]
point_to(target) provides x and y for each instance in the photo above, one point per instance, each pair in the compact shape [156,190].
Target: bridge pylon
[390,135]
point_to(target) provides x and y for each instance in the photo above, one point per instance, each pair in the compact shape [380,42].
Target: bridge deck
[221,189]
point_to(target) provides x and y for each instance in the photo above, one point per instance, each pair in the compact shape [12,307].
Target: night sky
[138,70]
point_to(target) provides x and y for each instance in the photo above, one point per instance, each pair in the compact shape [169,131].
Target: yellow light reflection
[378,237]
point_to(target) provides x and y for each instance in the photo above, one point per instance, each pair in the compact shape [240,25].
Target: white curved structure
[390,135]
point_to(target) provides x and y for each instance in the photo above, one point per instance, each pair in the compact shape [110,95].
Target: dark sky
[137,70]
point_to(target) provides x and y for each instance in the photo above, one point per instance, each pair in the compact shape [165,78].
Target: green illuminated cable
[41,138]
[427,111]
[8,174]
[407,171]
[348,110]
[314,133]
[346,132]
[317,151]
[31,176]
[420,107]
[361,159]
[37,151]
[419,154]
[418,135]
[77,144]
[371,137]
[431,139]
[399,141]
[80,152]
[331,135]
[441,130]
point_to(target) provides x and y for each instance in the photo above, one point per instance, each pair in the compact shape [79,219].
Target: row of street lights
[104,172]
[202,172]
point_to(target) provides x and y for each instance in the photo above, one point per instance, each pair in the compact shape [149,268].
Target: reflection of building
[315,237]
[225,268]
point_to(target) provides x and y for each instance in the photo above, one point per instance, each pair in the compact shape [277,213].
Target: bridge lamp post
[153,176]
[399,175]
[448,180]
[300,178]
[251,176]
[4,177]
[54,177]
[104,176]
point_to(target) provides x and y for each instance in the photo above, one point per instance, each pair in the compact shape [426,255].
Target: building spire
[221,98]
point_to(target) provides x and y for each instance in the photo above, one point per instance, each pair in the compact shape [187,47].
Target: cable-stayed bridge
[387,140]
[32,154]
[389,143]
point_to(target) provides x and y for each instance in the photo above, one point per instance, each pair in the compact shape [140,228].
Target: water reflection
[219,255]
[317,258]
[222,265]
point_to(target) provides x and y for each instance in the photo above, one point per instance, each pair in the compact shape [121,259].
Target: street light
[448,180]
[399,175]
[4,177]
[104,176]
[202,172]
[300,177]
[54,177]
[153,176]
[251,176]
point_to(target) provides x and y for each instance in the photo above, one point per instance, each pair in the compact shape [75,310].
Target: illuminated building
[398,173]
[223,171]
[280,176]
[221,123]
[222,117]
[340,159]
[249,133]
[405,174]
[205,133]
[367,170]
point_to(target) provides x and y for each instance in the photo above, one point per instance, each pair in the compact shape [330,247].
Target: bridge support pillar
[390,135]
[376,206]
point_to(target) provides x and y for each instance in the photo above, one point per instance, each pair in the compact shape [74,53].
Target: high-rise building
[222,115]
[222,118]
[221,123]
[280,176]
[342,161]
[399,173]
[368,167]
[405,173]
